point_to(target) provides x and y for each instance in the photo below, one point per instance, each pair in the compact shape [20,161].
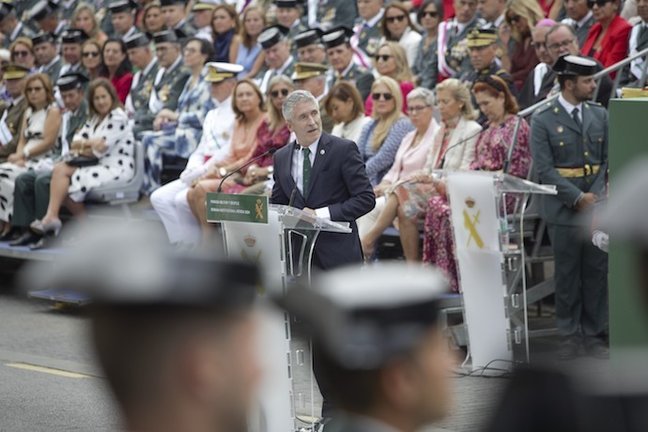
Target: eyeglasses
[90,54]
[275,93]
[563,44]
[385,96]
[416,109]
[34,89]
[21,53]
[599,3]
[383,57]
[429,14]
[393,19]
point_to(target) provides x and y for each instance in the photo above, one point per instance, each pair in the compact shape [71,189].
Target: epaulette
[544,107]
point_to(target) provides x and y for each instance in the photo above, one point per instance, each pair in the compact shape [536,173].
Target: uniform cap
[13,71]
[137,40]
[337,36]
[365,317]
[308,70]
[219,71]
[270,36]
[203,5]
[74,36]
[174,36]
[42,9]
[43,38]
[286,3]
[572,65]
[117,6]
[308,37]
[481,37]
[173,2]
[71,81]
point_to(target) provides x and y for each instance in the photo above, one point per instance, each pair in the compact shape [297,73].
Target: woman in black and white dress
[106,136]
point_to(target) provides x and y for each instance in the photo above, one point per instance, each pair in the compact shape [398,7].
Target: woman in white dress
[36,144]
[345,106]
[398,27]
[106,136]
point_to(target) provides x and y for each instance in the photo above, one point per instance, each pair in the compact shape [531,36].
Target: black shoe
[12,234]
[25,239]
[596,347]
[40,243]
[569,348]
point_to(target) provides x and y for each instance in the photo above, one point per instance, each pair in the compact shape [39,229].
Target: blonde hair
[86,7]
[246,39]
[403,71]
[460,93]
[384,124]
[527,9]
[275,116]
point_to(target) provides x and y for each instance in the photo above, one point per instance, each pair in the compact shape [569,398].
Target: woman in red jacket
[116,67]
[607,40]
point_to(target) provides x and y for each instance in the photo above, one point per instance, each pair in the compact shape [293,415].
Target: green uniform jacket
[14,119]
[74,122]
[557,142]
[139,97]
[360,78]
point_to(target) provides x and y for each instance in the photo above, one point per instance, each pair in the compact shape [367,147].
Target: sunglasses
[90,54]
[429,14]
[393,19]
[276,93]
[385,96]
[34,89]
[21,53]
[383,57]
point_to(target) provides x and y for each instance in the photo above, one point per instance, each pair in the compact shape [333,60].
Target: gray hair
[295,98]
[423,94]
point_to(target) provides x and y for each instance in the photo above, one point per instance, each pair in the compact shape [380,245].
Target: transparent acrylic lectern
[484,209]
[283,248]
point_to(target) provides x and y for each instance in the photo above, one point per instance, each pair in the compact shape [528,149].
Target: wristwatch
[222,171]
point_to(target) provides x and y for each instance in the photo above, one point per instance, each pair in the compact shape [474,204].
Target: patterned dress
[116,164]
[179,139]
[379,161]
[490,155]
[33,132]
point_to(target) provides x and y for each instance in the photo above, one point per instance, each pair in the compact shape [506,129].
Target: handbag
[81,161]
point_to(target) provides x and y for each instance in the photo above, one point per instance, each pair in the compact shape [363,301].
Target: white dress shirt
[297,172]
[569,107]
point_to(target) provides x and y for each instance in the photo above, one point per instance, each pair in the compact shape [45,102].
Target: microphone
[246,164]
[445,153]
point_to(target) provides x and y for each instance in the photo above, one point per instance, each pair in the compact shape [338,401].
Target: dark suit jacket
[338,181]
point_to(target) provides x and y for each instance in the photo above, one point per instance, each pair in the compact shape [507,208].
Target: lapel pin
[322,152]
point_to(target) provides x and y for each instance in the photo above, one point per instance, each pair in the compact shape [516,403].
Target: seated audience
[491,154]
[153,20]
[225,26]
[310,48]
[288,14]
[454,58]
[175,16]
[482,46]
[521,16]
[201,16]
[246,49]
[84,19]
[390,61]
[277,55]
[425,66]
[409,159]
[122,18]
[607,40]
[177,132]
[22,53]
[31,195]
[453,149]
[11,25]
[580,17]
[170,201]
[71,42]
[47,58]
[249,108]
[346,107]
[638,42]
[91,60]
[107,137]
[381,137]
[137,103]
[116,67]
[367,35]
[533,84]
[397,27]
[36,145]
[272,134]
[14,79]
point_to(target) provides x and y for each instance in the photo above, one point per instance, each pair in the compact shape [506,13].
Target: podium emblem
[471,220]
[258,210]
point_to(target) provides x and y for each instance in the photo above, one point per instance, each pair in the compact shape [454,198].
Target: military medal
[559,129]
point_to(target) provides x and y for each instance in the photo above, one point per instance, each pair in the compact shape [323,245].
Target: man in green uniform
[482,47]
[138,47]
[381,353]
[32,192]
[170,78]
[312,78]
[12,116]
[122,17]
[340,54]
[569,145]
[175,16]
[10,26]
[289,14]
[47,58]
[367,32]
[278,59]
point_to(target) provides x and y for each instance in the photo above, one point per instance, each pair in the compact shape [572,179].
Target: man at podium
[323,175]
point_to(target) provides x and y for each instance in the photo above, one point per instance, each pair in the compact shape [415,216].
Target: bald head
[538,36]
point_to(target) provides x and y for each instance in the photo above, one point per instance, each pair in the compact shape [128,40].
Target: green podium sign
[237,208]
